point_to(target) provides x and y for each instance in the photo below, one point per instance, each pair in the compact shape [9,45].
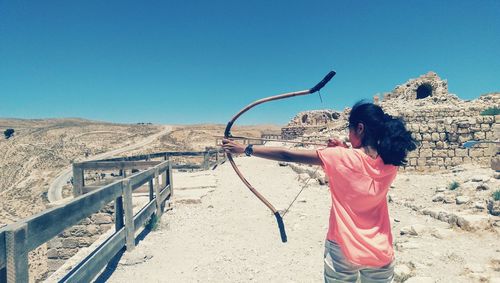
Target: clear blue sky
[202,61]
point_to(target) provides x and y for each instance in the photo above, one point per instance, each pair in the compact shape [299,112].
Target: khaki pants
[339,269]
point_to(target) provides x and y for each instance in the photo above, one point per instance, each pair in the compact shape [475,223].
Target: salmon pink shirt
[359,217]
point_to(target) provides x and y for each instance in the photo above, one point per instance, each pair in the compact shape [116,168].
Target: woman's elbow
[286,155]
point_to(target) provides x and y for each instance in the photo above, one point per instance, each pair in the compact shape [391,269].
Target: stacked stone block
[407,91]
[309,122]
[79,236]
[441,140]
[293,132]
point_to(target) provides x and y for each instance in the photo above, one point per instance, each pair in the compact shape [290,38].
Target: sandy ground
[230,236]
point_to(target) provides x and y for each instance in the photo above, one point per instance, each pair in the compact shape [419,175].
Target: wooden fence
[18,239]
[210,158]
[256,141]
[272,136]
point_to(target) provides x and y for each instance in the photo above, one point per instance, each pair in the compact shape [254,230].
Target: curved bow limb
[227,134]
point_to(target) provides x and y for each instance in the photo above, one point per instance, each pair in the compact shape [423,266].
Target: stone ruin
[428,85]
[311,122]
[440,121]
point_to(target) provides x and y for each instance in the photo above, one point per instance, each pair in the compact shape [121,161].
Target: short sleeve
[330,158]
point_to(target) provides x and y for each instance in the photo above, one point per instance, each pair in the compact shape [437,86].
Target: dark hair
[388,135]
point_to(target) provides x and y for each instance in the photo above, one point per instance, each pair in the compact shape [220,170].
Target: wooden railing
[18,239]
[272,136]
[210,158]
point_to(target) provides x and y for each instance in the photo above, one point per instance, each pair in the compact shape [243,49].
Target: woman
[359,238]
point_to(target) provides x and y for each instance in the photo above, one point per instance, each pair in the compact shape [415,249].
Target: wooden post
[119,205]
[157,193]
[170,179]
[164,174]
[151,190]
[129,215]
[118,213]
[78,180]
[206,160]
[17,256]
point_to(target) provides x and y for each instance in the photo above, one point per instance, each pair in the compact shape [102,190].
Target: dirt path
[231,237]
[54,193]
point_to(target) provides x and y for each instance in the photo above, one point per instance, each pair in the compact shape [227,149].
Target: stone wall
[441,122]
[293,132]
[67,244]
[441,141]
[309,122]
[430,84]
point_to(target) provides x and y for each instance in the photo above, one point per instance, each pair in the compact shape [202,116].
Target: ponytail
[396,142]
[383,132]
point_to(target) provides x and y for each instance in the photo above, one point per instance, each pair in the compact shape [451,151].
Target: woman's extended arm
[275,153]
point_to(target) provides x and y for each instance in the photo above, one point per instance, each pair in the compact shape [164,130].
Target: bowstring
[310,177]
[303,187]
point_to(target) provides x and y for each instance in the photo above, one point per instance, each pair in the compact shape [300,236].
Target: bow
[227,134]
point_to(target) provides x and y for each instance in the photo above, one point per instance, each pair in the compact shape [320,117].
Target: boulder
[479,205]
[402,272]
[496,175]
[137,257]
[102,218]
[406,230]
[431,212]
[442,233]
[483,187]
[449,199]
[494,207]
[462,199]
[480,178]
[438,197]
[418,229]
[441,189]
[472,222]
[495,164]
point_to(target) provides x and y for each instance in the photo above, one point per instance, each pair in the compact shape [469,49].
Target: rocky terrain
[40,148]
[227,235]
[444,205]
[198,137]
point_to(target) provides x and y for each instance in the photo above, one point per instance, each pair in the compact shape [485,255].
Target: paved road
[54,193]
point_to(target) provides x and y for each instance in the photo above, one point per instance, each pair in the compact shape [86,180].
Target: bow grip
[323,82]
[281,225]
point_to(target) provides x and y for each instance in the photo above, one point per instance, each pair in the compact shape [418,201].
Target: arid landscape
[113,114]
[444,204]
[226,235]
[39,149]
